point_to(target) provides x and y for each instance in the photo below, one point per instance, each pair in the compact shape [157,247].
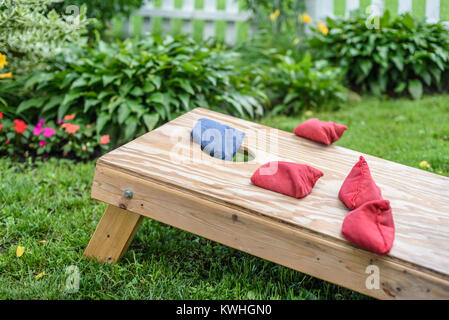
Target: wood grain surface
[168,158]
[113,234]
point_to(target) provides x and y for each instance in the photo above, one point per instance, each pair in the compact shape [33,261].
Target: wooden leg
[113,235]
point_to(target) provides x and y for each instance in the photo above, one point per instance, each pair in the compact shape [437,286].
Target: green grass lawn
[45,207]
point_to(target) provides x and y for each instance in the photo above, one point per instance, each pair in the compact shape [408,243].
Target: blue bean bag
[216,139]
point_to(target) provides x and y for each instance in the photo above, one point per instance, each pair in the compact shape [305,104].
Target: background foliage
[405,55]
[29,33]
[101,12]
[130,87]
[100,9]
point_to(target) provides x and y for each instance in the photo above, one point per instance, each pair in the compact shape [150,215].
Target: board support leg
[113,235]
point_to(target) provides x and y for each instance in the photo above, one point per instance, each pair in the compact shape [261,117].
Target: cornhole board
[173,181]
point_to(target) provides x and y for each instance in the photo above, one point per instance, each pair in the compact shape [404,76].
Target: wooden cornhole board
[174,182]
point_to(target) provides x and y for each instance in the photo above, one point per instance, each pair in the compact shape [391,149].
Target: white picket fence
[217,16]
[432,10]
[227,21]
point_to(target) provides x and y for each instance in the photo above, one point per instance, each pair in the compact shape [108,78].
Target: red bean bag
[320,131]
[371,227]
[292,179]
[359,186]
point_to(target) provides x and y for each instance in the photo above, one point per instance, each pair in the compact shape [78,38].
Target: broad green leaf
[123,113]
[55,100]
[156,80]
[113,103]
[108,79]
[185,84]
[185,99]
[401,87]
[290,97]
[365,66]
[38,77]
[126,88]
[80,82]
[137,92]
[148,87]
[62,110]
[130,128]
[32,103]
[136,107]
[89,103]
[151,120]
[104,94]
[157,97]
[70,97]
[102,119]
[415,88]
[399,63]
[426,77]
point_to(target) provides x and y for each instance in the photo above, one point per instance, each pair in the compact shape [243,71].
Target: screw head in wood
[128,194]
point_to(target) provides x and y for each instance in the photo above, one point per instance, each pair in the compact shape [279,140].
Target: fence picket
[433,10]
[227,20]
[405,6]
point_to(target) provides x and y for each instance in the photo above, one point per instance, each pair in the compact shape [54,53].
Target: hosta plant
[129,88]
[403,56]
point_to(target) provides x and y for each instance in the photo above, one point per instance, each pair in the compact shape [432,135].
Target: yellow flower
[20,250]
[305,18]
[323,28]
[308,113]
[3,61]
[40,275]
[6,75]
[296,41]
[274,15]
[424,165]
[440,172]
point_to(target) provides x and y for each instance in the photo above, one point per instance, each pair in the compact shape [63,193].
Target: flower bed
[65,138]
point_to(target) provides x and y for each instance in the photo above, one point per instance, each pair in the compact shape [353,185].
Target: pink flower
[48,132]
[42,143]
[59,121]
[41,122]
[104,139]
[83,148]
[37,130]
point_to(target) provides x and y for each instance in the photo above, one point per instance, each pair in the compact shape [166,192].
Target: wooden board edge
[333,261]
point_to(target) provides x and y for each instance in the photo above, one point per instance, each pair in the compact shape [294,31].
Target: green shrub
[131,87]
[29,33]
[294,86]
[293,82]
[403,55]
[100,9]
[280,24]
